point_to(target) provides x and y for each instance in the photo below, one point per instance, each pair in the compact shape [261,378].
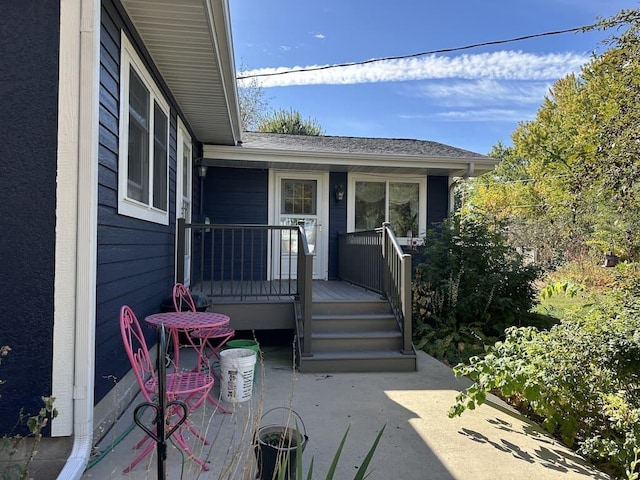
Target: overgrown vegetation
[469,285]
[289,122]
[568,186]
[580,379]
[567,190]
[17,460]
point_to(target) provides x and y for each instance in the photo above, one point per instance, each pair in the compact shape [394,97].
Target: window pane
[160,147]
[298,197]
[370,205]
[403,208]
[138,158]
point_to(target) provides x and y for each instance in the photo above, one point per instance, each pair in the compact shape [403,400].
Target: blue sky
[470,99]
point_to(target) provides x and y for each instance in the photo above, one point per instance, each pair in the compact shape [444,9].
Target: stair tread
[354,316]
[352,354]
[357,334]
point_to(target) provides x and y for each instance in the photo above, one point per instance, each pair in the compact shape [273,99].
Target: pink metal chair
[190,387]
[213,338]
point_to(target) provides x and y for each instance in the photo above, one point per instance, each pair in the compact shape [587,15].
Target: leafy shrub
[9,445]
[468,286]
[581,378]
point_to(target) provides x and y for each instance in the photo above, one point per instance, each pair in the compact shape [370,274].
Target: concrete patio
[419,442]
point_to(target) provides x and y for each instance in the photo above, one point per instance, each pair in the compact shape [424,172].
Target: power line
[533,180]
[420,54]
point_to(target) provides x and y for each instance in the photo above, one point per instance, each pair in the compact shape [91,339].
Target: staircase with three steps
[350,336]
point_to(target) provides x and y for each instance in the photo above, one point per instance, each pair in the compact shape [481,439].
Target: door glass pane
[298,197]
[403,208]
[370,205]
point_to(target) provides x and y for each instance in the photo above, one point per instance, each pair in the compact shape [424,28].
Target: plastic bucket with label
[236,374]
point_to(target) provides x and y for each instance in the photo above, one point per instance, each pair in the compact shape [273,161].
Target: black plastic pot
[278,446]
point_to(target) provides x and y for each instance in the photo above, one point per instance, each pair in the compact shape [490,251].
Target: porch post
[407,304]
[385,264]
[307,311]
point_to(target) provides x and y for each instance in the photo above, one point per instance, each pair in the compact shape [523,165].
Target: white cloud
[461,93]
[285,48]
[319,35]
[503,65]
[485,115]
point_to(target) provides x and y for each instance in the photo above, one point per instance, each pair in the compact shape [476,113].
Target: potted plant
[278,448]
[279,451]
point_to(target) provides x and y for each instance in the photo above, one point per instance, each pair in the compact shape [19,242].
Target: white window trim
[128,206]
[365,177]
[182,138]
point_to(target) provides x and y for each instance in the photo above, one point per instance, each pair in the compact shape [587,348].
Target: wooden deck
[281,291]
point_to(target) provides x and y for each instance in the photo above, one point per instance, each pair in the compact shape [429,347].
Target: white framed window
[399,200]
[143,166]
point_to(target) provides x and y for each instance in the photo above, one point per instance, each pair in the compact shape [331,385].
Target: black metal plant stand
[161,434]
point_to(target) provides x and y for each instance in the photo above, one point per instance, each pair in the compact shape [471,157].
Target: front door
[300,199]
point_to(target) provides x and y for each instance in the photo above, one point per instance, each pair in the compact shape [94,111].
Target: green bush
[468,286]
[580,379]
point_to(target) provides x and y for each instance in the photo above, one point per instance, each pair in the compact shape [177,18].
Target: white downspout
[87,108]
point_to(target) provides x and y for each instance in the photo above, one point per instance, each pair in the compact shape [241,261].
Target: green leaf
[365,463]
[336,457]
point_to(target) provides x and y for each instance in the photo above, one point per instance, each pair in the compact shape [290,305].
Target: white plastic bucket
[236,374]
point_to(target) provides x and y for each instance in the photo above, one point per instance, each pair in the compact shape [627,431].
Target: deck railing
[375,260]
[243,261]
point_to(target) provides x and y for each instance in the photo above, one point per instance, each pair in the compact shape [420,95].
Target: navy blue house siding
[236,196]
[337,220]
[437,199]
[135,258]
[28,155]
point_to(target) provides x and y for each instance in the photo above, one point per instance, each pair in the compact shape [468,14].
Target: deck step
[355,336]
[348,361]
[360,322]
[350,307]
[390,341]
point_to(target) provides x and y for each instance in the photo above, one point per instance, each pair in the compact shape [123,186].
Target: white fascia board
[219,20]
[273,156]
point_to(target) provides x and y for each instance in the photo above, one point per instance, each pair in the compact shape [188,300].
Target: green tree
[569,184]
[251,100]
[289,122]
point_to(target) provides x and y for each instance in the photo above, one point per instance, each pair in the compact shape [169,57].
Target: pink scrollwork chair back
[182,299]
[136,347]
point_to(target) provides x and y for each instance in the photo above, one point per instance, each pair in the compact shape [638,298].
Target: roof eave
[189,43]
[220,26]
[215,155]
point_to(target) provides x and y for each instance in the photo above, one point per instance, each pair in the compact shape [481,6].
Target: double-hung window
[144,142]
[401,201]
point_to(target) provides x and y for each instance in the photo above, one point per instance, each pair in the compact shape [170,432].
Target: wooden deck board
[275,291]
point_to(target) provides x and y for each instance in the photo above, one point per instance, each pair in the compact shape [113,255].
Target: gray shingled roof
[374,146]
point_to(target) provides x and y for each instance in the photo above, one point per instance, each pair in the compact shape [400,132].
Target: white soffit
[190,43]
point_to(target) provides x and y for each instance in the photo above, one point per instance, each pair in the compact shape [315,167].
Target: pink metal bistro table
[176,322]
[187,321]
